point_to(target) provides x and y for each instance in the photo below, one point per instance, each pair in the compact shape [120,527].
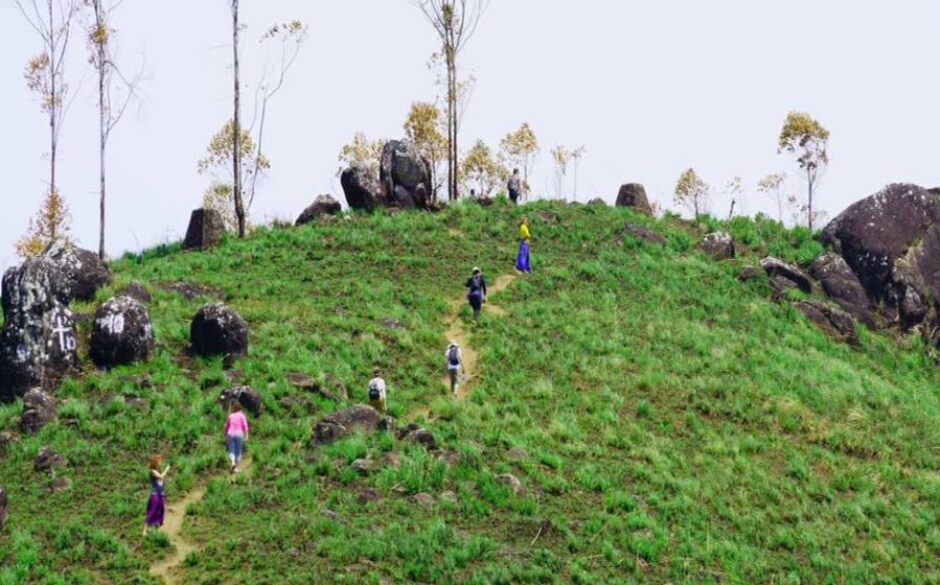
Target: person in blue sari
[523,261]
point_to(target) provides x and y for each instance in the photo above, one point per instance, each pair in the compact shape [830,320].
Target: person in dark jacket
[477,295]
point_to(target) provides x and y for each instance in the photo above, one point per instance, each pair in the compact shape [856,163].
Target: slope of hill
[667,423]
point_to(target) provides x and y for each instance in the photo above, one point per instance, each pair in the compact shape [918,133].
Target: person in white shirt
[378,396]
[454,360]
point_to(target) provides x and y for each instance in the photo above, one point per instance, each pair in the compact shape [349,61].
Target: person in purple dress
[156,505]
[523,261]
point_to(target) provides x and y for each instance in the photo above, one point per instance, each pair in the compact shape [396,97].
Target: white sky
[649,87]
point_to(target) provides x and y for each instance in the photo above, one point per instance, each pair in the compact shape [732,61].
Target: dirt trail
[167,569]
[456,333]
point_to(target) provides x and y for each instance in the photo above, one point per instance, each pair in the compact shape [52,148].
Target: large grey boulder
[206,228]
[842,286]
[783,275]
[121,334]
[361,188]
[342,423]
[83,271]
[891,241]
[830,319]
[404,174]
[322,205]
[634,195]
[218,330]
[718,245]
[38,342]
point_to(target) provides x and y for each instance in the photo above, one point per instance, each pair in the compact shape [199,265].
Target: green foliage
[668,423]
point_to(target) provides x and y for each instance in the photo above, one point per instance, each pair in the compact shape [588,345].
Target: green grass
[669,423]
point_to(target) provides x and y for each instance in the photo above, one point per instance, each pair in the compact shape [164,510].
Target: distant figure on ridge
[523,261]
[156,505]
[454,358]
[477,295]
[236,433]
[378,396]
[514,186]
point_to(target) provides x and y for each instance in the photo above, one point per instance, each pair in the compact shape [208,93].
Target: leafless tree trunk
[454,21]
[236,129]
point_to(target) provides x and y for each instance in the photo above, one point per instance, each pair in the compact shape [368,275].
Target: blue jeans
[236,444]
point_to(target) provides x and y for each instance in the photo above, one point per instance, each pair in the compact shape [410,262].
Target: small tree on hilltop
[562,157]
[734,191]
[773,185]
[218,164]
[808,141]
[361,152]
[519,149]
[423,128]
[50,224]
[576,155]
[481,170]
[692,193]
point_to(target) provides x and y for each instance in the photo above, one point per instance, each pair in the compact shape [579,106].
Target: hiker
[454,358]
[156,505]
[378,397]
[514,186]
[523,262]
[477,295]
[236,433]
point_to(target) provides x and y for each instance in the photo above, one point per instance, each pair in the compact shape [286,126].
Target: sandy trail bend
[167,570]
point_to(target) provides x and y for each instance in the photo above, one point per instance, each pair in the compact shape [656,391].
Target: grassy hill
[668,423]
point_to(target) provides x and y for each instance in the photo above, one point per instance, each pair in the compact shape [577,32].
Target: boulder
[634,195]
[136,291]
[891,241]
[83,270]
[340,424]
[36,350]
[598,202]
[422,437]
[512,482]
[122,333]
[404,174]
[322,205]
[38,410]
[832,320]
[218,330]
[35,286]
[639,233]
[206,228]
[842,286]
[4,511]
[248,397]
[47,459]
[782,273]
[362,190]
[368,496]
[718,245]
[362,466]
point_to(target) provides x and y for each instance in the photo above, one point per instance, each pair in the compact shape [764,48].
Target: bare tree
[112,102]
[455,22]
[576,155]
[45,73]
[236,127]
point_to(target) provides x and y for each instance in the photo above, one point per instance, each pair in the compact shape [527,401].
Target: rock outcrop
[718,245]
[842,286]
[784,276]
[832,320]
[206,228]
[362,190]
[634,195]
[38,341]
[341,423]
[121,334]
[83,271]
[322,205]
[891,241]
[38,411]
[405,176]
[248,397]
[218,330]
[639,234]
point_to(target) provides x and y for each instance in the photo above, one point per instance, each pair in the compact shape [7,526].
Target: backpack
[374,392]
[453,356]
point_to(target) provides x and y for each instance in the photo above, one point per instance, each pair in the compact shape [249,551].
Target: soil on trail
[456,333]
[167,570]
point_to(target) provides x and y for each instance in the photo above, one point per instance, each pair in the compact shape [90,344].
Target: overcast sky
[650,88]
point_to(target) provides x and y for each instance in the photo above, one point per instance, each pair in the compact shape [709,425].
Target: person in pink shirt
[236,433]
